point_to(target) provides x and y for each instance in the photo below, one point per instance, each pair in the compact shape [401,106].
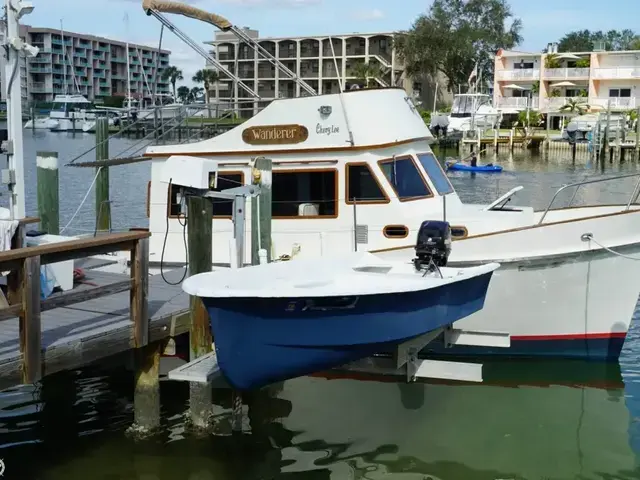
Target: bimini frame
[155,8]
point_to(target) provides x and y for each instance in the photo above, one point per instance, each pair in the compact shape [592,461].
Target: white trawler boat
[470,111]
[346,176]
[355,171]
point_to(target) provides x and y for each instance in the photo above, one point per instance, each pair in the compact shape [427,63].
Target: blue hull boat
[479,168]
[284,320]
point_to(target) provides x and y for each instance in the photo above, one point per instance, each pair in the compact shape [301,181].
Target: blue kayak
[469,168]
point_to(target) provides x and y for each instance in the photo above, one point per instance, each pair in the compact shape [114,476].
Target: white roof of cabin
[70,99]
[377,117]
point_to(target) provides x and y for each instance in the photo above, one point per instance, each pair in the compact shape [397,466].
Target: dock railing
[23,287]
[632,199]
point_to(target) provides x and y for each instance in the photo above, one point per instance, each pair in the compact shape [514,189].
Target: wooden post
[103,207]
[30,329]
[48,191]
[139,293]
[146,400]
[261,210]
[199,240]
[605,138]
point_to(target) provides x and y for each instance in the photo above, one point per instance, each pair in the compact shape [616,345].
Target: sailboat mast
[126,22]
[64,59]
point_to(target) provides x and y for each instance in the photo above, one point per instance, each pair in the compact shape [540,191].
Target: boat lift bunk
[403,363]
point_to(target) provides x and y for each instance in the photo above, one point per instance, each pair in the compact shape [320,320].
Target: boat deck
[84,332]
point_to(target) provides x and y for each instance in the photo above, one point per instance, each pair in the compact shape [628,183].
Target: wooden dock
[104,314]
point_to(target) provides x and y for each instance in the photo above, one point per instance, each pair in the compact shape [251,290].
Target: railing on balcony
[564,73]
[555,103]
[518,74]
[518,102]
[616,102]
[617,72]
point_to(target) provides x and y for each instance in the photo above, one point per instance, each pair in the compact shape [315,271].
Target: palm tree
[173,74]
[194,93]
[575,106]
[207,77]
[366,72]
[183,94]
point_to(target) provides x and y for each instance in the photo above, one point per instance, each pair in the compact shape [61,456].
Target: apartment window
[619,92]
[404,176]
[363,186]
[221,207]
[305,193]
[383,44]
[523,65]
[435,173]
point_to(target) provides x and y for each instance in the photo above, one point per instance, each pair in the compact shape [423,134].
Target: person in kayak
[474,160]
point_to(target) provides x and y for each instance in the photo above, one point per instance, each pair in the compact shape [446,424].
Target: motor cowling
[433,245]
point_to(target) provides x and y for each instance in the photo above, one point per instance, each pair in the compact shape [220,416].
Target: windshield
[465,105]
[404,176]
[435,173]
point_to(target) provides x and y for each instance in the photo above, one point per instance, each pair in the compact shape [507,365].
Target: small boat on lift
[283,320]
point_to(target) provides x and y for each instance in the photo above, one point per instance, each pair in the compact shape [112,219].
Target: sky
[544,21]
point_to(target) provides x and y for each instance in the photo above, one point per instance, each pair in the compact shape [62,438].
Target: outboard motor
[433,246]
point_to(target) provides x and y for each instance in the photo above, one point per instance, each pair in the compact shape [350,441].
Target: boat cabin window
[466,105]
[435,173]
[222,208]
[405,178]
[305,193]
[363,186]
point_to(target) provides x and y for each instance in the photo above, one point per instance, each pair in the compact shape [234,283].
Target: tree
[183,94]
[455,34]
[575,106]
[366,73]
[206,77]
[194,93]
[583,40]
[173,74]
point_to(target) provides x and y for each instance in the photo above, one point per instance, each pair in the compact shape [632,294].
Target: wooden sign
[275,134]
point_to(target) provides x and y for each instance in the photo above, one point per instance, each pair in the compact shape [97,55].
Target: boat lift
[155,8]
[404,362]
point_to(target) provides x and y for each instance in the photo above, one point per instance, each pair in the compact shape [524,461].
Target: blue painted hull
[598,348]
[469,168]
[265,340]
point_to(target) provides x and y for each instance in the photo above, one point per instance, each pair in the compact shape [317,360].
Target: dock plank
[85,332]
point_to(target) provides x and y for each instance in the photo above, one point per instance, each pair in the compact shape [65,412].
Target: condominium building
[550,80]
[323,62]
[92,66]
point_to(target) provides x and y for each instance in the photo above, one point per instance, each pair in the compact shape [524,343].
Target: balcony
[519,103]
[40,87]
[565,73]
[617,72]
[518,74]
[34,69]
[616,102]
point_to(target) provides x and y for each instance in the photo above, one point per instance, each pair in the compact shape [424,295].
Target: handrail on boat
[632,199]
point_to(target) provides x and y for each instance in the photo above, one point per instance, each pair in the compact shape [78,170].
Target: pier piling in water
[261,210]
[146,400]
[48,192]
[103,205]
[199,240]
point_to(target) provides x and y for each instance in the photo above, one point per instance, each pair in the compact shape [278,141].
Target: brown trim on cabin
[217,217]
[291,150]
[529,227]
[148,199]
[413,160]
[402,229]
[375,178]
[465,233]
[314,170]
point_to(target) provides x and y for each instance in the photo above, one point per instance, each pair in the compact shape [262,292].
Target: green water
[529,420]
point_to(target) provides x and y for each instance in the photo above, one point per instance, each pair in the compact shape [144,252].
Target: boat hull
[577,306]
[264,340]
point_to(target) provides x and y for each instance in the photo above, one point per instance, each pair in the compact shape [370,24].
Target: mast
[126,22]
[13,90]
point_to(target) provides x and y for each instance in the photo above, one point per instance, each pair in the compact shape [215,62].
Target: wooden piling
[48,191]
[146,400]
[199,240]
[30,329]
[605,138]
[261,210]
[103,206]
